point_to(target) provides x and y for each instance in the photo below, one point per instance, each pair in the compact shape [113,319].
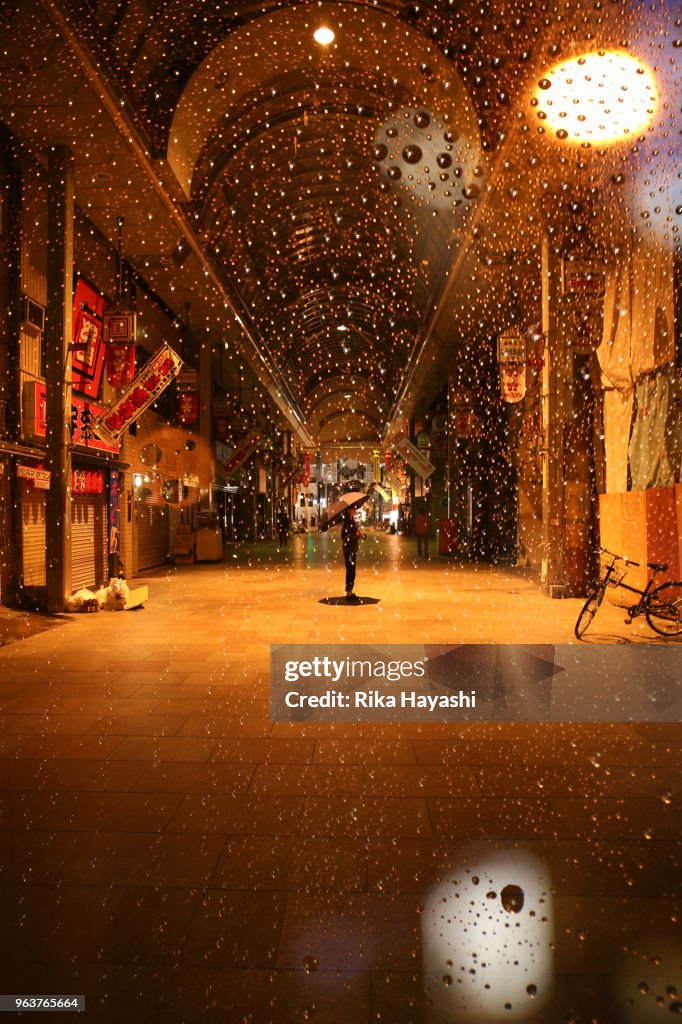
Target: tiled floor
[177,857]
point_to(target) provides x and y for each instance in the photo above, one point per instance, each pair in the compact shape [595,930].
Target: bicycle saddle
[657,566]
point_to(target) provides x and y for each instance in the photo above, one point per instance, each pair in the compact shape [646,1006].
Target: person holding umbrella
[350,536]
[343,512]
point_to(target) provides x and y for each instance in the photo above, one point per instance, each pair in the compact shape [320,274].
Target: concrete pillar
[60,228]
[555,397]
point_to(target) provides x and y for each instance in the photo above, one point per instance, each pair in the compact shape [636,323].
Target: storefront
[89,529]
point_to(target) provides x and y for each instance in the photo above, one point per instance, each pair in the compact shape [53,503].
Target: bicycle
[661,605]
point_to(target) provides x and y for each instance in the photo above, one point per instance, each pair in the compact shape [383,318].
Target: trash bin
[447,537]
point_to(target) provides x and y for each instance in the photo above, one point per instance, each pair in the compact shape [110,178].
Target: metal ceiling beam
[116,106]
[417,367]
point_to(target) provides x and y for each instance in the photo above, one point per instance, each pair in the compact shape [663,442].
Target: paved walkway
[173,854]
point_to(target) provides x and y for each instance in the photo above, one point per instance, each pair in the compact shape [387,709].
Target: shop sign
[306,469]
[242,452]
[423,441]
[87,353]
[150,382]
[414,458]
[584,277]
[511,348]
[113,510]
[376,465]
[83,417]
[39,477]
[87,481]
[512,383]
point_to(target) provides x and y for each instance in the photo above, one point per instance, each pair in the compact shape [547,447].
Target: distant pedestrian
[423,528]
[282,527]
[350,537]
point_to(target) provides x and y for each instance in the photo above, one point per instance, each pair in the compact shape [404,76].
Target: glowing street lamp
[599,98]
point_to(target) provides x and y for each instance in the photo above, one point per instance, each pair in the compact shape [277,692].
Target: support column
[555,396]
[60,229]
[205,413]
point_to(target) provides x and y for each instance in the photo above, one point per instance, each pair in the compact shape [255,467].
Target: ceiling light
[342,327]
[601,97]
[323,35]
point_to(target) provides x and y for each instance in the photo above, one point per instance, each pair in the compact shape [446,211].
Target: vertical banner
[114,494]
[306,469]
[187,395]
[87,352]
[376,466]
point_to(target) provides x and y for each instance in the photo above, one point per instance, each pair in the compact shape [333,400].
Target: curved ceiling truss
[326,186]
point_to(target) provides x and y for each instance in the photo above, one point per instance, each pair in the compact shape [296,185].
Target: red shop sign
[83,416]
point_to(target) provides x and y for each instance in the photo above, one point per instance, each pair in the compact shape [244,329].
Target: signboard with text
[83,416]
[242,452]
[414,458]
[154,377]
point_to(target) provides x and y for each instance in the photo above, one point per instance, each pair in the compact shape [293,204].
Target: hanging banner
[120,365]
[306,469]
[376,465]
[414,458]
[113,510]
[384,494]
[512,383]
[154,377]
[241,453]
[87,351]
[187,396]
[39,477]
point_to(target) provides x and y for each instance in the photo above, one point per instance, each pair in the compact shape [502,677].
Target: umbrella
[333,515]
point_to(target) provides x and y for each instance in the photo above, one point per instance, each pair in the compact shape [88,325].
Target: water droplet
[532,990]
[512,898]
[310,964]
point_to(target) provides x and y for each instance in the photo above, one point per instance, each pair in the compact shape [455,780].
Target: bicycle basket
[611,573]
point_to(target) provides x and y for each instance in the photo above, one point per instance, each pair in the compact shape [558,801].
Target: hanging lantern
[120,330]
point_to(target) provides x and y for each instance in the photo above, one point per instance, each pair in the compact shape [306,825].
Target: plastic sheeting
[638,318]
[656,443]
[638,341]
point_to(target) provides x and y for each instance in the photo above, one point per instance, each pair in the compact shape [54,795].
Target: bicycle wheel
[664,609]
[589,610]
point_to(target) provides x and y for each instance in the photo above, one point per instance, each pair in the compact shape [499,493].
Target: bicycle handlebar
[628,561]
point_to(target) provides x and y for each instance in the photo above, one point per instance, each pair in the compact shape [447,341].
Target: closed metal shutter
[33,536]
[151,529]
[89,551]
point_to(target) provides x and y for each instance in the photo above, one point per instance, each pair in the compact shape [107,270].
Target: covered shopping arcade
[254,256]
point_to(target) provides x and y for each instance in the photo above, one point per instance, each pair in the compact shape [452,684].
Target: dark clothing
[351,558]
[282,527]
[349,535]
[350,541]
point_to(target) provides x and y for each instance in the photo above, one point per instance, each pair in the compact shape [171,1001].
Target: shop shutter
[151,527]
[89,561]
[33,536]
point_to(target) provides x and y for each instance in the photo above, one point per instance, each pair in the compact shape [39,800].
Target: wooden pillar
[556,388]
[60,227]
[205,413]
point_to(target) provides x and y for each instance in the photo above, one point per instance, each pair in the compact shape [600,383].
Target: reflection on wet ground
[174,855]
